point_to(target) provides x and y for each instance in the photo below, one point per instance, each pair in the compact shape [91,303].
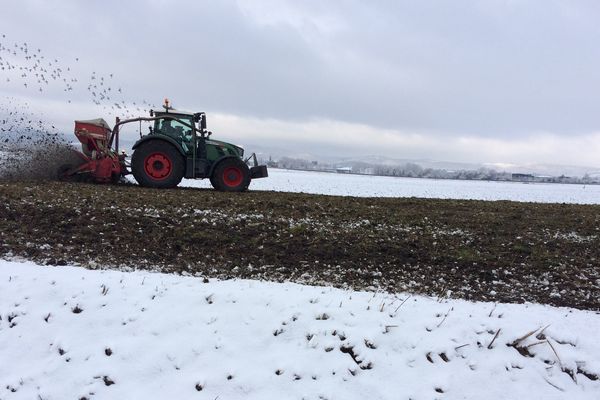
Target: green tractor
[179,146]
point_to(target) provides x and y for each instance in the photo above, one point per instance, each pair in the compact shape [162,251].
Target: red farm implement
[98,162]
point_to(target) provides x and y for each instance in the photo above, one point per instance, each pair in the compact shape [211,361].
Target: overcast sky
[475,81]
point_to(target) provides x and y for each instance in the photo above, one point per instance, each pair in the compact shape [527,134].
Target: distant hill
[375,160]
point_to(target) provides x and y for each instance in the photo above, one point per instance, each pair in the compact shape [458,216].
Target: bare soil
[477,250]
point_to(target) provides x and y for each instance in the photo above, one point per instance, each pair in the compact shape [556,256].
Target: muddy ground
[495,251]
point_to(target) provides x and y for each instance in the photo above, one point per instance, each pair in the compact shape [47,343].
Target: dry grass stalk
[535,344]
[445,316]
[403,301]
[554,386]
[519,340]
[494,339]
[555,353]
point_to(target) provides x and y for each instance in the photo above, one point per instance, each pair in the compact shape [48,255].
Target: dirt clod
[107,380]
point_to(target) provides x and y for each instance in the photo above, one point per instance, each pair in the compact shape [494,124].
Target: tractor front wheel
[231,175]
[157,164]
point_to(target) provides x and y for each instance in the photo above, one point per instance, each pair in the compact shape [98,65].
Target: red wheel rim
[158,166]
[232,176]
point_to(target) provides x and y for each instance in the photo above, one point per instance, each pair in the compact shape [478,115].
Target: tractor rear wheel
[231,175]
[157,164]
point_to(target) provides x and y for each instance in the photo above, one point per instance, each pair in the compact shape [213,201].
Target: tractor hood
[221,144]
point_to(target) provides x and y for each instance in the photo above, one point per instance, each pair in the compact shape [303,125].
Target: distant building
[272,164]
[522,177]
[343,170]
[369,171]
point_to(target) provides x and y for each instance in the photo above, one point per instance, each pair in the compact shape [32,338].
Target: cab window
[172,128]
[175,129]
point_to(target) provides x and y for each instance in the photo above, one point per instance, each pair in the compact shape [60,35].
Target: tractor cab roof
[173,111]
[180,114]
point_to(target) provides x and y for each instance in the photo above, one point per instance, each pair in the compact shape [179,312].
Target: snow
[71,333]
[381,186]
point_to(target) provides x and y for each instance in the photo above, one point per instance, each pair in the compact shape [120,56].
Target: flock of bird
[39,75]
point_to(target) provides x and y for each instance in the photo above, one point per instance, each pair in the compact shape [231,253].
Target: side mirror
[203,123]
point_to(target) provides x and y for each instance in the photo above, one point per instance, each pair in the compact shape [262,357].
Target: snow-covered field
[71,333]
[381,186]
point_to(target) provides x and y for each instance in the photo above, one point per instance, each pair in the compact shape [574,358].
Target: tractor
[177,146]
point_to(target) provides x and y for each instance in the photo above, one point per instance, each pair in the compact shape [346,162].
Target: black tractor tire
[231,175]
[157,164]
[213,181]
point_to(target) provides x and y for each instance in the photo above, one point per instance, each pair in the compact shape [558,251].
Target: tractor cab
[177,125]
